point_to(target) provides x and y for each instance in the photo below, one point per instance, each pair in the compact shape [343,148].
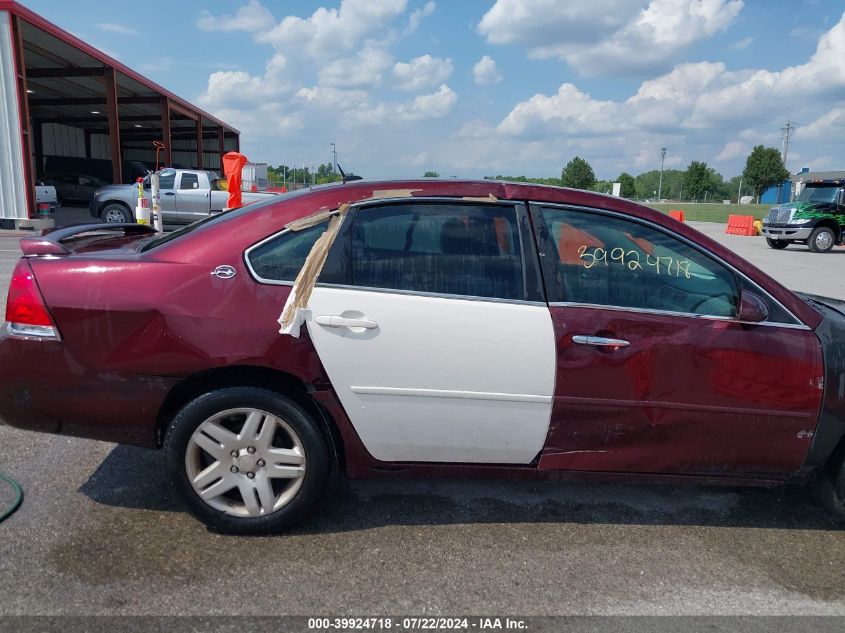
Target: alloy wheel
[245,462]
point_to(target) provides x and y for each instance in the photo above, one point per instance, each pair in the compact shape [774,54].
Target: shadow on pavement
[134,478]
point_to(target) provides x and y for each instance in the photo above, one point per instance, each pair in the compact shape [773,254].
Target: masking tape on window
[293,314]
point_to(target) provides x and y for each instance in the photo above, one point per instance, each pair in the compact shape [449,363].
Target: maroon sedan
[428,328]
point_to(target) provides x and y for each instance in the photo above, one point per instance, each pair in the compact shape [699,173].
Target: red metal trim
[23,114]
[36,20]
[165,131]
[200,144]
[110,82]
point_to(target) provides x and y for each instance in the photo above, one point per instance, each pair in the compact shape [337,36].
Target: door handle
[599,341]
[341,321]
[169,193]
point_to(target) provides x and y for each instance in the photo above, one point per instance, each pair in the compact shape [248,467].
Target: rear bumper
[786,232]
[42,388]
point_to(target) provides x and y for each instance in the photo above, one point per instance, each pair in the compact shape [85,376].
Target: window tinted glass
[281,258]
[167,182]
[189,181]
[469,250]
[605,260]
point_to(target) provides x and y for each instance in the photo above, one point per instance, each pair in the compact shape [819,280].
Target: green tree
[431,174]
[697,180]
[629,189]
[763,169]
[578,174]
[647,182]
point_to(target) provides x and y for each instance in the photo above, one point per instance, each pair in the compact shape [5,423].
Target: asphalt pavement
[100,533]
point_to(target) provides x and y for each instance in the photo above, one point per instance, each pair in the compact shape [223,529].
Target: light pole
[739,191]
[334,158]
[660,185]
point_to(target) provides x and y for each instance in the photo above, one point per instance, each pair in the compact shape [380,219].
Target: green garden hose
[17,491]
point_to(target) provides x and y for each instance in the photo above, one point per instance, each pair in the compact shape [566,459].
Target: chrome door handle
[599,341]
[341,321]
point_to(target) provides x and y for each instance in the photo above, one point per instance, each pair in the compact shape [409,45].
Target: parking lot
[99,532]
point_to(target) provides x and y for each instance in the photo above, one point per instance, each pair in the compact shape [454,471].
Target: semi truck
[186,195]
[816,218]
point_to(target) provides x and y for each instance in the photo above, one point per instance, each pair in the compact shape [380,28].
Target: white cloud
[733,149]
[120,29]
[360,71]
[230,88]
[484,72]
[331,33]
[829,125]
[744,43]
[605,37]
[426,106]
[253,16]
[702,104]
[417,16]
[422,72]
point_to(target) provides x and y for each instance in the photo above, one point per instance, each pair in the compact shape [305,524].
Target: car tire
[821,240]
[115,213]
[251,484]
[776,244]
[831,486]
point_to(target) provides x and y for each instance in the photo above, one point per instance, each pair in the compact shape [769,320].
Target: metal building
[67,106]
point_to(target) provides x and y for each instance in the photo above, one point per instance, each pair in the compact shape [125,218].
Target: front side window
[165,181]
[451,249]
[610,261]
[280,258]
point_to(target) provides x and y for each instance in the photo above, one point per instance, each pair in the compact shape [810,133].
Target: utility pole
[660,186]
[787,129]
[739,191]
[334,158]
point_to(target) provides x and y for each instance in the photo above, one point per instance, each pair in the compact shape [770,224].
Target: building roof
[49,46]
[817,175]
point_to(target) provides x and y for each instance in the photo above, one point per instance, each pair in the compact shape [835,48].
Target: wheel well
[831,224]
[106,204]
[249,376]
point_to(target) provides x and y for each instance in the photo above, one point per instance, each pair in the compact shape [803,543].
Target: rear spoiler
[53,243]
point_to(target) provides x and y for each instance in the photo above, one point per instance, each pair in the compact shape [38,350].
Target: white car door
[433,348]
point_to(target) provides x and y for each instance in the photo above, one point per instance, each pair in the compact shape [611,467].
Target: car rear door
[655,374]
[435,336]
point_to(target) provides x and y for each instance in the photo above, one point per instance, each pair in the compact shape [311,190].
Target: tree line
[698,182]
[293,176]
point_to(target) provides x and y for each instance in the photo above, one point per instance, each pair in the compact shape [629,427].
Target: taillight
[26,312]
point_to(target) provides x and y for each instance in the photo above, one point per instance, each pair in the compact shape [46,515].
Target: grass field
[713,212]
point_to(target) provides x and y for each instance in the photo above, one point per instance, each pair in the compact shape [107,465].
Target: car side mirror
[196,185]
[752,308]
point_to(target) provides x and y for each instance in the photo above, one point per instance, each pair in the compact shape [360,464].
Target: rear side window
[189,181]
[610,261]
[468,250]
[281,258]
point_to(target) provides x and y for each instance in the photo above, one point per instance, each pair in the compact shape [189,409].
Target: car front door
[167,195]
[192,202]
[655,373]
[434,340]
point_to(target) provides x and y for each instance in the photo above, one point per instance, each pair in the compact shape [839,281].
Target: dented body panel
[689,395]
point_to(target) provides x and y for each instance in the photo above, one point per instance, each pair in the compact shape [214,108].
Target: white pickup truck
[187,195]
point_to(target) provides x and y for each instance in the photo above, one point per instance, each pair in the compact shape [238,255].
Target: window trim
[545,245]
[254,274]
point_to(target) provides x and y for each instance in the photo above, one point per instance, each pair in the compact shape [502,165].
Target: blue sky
[483,87]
